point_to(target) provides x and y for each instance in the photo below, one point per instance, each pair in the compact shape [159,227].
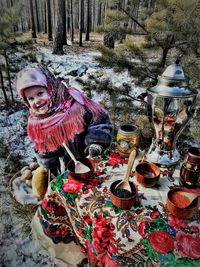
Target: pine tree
[8,19]
[172,31]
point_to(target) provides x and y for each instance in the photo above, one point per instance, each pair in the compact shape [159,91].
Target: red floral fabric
[161,241]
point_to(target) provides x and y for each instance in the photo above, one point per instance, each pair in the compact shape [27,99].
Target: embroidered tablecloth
[146,235]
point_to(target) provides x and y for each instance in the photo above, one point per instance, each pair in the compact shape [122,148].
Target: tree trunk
[3,88]
[32,20]
[49,29]
[59,29]
[37,17]
[72,22]
[93,16]
[64,24]
[68,16]
[8,74]
[45,17]
[87,36]
[99,14]
[108,40]
[81,4]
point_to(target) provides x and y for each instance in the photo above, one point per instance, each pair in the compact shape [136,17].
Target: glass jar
[128,138]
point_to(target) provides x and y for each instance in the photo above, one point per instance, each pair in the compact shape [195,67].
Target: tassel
[48,134]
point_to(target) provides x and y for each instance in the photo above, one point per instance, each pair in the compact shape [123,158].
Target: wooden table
[146,235]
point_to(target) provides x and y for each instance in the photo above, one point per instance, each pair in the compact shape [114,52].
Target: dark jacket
[98,132]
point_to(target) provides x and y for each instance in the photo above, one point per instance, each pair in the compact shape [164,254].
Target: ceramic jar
[190,169]
[128,138]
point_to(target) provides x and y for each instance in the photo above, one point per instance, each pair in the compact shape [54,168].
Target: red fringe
[48,134]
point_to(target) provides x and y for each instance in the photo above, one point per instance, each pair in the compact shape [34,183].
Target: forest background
[141,37]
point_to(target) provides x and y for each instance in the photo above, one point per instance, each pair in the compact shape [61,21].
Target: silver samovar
[170,105]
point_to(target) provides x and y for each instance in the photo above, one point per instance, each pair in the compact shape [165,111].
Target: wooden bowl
[147,174]
[123,203]
[174,209]
[81,176]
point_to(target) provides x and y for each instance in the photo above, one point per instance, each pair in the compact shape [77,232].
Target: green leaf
[87,233]
[70,196]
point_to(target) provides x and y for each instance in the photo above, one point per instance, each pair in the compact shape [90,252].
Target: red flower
[105,260]
[62,231]
[47,205]
[141,228]
[101,232]
[188,245]
[176,222]
[72,186]
[124,161]
[87,219]
[86,191]
[138,211]
[103,236]
[112,248]
[97,172]
[100,221]
[154,214]
[114,159]
[60,211]
[105,190]
[92,258]
[98,246]
[132,174]
[165,172]
[93,183]
[161,241]
[44,203]
[194,228]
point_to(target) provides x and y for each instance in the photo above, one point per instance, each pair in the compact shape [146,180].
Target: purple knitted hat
[30,76]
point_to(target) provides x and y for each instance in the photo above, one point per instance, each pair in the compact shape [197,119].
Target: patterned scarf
[65,118]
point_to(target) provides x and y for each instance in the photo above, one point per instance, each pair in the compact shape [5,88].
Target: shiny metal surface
[170,105]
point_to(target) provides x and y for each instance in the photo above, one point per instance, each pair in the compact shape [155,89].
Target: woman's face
[38,99]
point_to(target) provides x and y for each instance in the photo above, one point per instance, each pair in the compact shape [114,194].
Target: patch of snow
[23,193]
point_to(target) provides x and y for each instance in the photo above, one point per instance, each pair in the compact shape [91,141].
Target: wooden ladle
[124,184]
[190,196]
[79,167]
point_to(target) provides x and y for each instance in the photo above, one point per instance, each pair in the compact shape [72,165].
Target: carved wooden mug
[190,169]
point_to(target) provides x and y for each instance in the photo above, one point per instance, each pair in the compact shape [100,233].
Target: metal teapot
[170,105]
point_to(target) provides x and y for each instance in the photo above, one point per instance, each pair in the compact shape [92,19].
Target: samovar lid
[174,72]
[172,83]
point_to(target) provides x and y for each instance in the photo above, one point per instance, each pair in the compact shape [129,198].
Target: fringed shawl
[65,118]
